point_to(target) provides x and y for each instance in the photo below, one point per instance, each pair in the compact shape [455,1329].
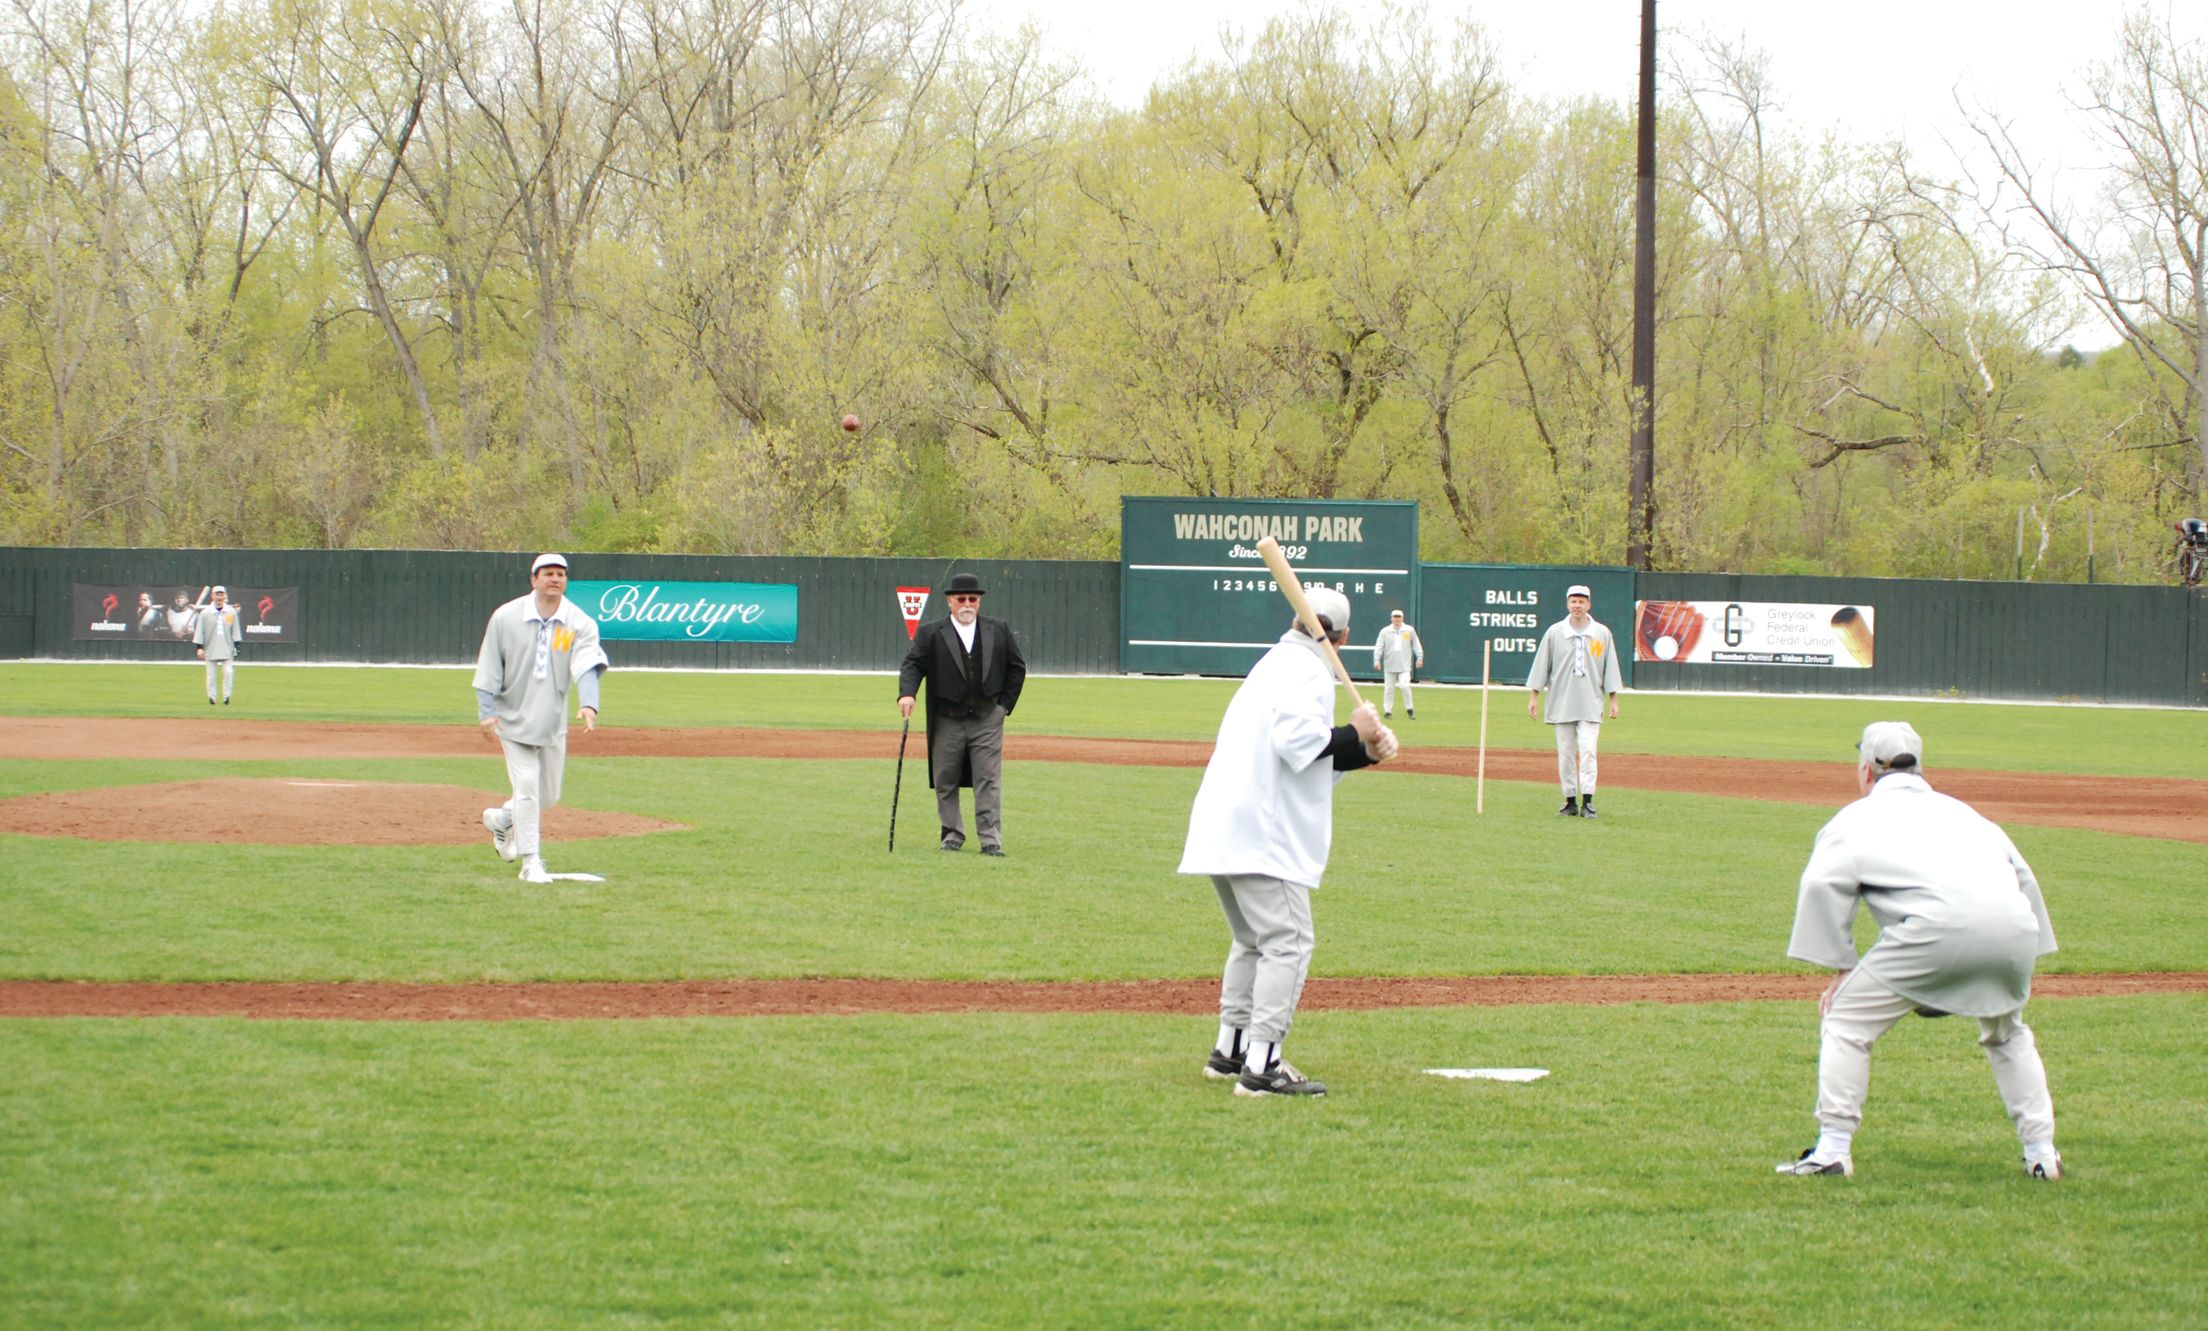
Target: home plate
[578,878]
[1490,1074]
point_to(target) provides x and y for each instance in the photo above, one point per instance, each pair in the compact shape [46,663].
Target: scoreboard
[1197,599]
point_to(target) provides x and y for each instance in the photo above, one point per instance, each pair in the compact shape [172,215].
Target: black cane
[899,787]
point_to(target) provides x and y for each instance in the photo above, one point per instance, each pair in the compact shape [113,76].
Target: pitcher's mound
[293,811]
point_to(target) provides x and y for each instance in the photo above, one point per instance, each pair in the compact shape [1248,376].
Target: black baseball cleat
[952,845]
[226,702]
[1222,1067]
[1571,807]
[1280,1079]
[993,851]
[1411,714]
[1587,806]
[210,702]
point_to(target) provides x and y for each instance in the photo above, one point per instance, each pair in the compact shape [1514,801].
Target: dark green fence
[430,607]
[1935,639]
[1967,639]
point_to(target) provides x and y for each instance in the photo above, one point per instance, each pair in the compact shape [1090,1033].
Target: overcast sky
[1875,69]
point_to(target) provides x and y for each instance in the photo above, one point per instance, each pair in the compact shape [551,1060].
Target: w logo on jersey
[1595,646]
[563,638]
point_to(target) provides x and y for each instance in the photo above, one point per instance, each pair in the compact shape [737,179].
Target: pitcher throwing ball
[536,649]
[1261,828]
[1960,925]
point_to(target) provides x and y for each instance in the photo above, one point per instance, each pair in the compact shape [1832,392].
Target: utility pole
[1640,514]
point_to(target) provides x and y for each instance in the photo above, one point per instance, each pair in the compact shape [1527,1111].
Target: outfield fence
[1996,640]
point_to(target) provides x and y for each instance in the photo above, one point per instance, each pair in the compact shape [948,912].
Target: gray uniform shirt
[1397,650]
[217,631]
[528,663]
[1575,669]
[1960,918]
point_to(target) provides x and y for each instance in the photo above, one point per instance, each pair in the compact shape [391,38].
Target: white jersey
[1266,805]
[217,632]
[1575,668]
[528,662]
[1959,913]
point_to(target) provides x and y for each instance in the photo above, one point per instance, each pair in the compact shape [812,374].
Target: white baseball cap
[1329,605]
[547,560]
[1885,741]
[1395,614]
[1579,589]
[222,591]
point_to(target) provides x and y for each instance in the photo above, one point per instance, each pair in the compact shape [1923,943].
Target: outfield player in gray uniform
[1576,665]
[1261,828]
[1960,925]
[216,631]
[535,649]
[1394,655]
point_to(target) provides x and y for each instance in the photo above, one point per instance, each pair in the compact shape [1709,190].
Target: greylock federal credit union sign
[1197,598]
[641,611]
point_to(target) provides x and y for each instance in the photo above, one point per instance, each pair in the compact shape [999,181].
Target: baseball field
[283,1043]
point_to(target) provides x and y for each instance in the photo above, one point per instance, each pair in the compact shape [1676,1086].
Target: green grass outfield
[1075,1171]
[1059,1171]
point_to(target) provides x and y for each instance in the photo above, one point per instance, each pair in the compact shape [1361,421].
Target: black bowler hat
[962,584]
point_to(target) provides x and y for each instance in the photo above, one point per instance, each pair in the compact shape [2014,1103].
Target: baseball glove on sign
[1667,630]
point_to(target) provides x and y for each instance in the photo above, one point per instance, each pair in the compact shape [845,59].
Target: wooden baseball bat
[1291,587]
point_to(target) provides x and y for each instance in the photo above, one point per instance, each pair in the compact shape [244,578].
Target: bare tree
[351,80]
[2144,264]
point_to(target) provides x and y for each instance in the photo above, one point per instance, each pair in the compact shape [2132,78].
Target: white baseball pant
[1270,956]
[1575,755]
[226,671]
[1396,679]
[1864,1009]
[535,771]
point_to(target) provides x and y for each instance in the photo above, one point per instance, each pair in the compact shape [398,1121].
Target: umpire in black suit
[974,672]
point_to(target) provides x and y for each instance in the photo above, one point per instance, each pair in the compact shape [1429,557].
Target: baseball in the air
[850,422]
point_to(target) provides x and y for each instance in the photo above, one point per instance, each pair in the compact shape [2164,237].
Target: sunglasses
[965,598]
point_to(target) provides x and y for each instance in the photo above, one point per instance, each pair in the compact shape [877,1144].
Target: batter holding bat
[536,649]
[1576,664]
[1263,823]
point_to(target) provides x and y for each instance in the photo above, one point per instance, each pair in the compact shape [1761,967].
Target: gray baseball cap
[1329,605]
[1885,741]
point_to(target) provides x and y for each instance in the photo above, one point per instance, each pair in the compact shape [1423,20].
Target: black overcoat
[938,657]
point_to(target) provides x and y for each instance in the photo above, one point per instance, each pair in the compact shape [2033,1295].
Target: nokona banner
[165,612]
[1754,633]
[690,611]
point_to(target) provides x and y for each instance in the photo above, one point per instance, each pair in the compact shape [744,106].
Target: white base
[578,878]
[1490,1074]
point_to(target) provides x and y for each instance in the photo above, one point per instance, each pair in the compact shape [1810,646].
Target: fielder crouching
[1261,828]
[535,649]
[1961,923]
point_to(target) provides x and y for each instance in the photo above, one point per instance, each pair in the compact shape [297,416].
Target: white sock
[1832,1145]
[1263,1054]
[1230,1040]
